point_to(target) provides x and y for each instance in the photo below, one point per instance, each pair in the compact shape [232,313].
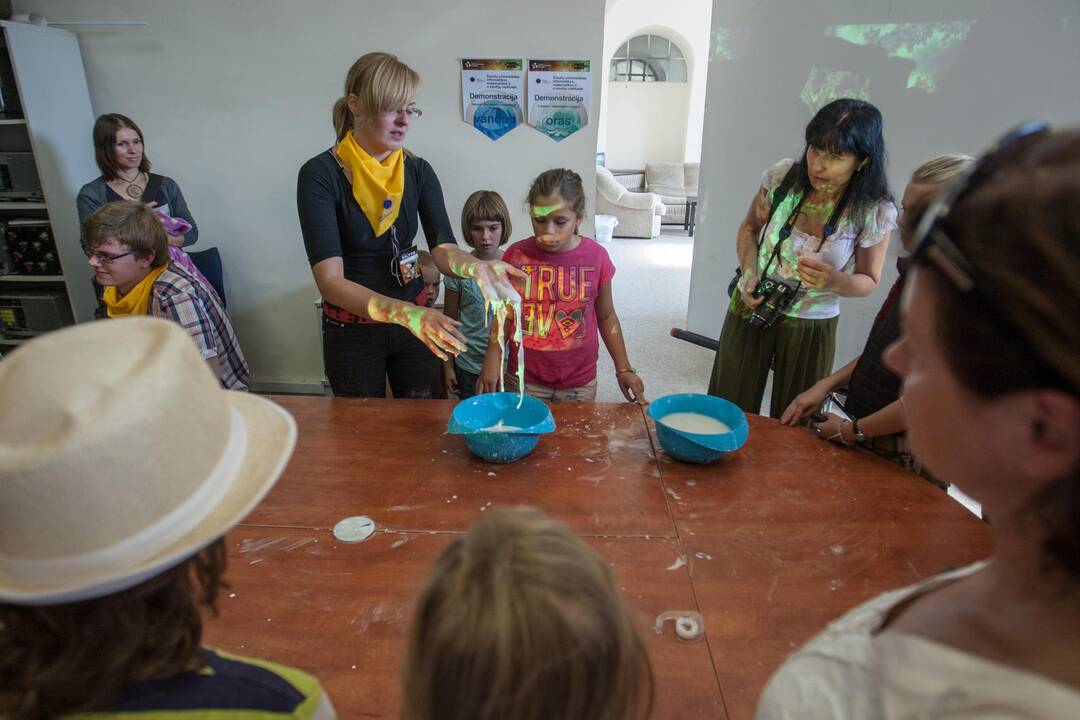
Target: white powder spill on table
[679,562]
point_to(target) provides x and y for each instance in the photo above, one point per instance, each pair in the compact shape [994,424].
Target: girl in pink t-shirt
[565,300]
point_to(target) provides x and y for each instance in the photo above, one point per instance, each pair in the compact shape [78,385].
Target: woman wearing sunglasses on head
[359,204]
[990,359]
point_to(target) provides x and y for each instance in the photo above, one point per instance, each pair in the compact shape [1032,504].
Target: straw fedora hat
[120,457]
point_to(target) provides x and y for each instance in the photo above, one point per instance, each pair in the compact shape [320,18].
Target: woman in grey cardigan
[125,175]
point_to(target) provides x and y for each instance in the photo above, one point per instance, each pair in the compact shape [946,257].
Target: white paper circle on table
[354,529]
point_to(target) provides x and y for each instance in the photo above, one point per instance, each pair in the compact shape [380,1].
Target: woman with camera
[990,361]
[817,230]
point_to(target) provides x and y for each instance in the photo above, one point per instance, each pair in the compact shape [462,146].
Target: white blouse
[850,671]
[865,230]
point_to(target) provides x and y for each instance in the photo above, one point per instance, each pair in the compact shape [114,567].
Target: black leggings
[359,357]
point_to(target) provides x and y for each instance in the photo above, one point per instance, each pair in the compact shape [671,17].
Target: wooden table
[776,539]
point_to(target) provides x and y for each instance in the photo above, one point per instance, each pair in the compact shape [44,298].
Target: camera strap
[784,234]
[828,229]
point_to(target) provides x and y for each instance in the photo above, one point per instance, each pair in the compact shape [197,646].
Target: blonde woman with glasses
[361,203]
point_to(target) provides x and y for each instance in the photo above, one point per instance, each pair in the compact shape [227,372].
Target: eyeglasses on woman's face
[412,112]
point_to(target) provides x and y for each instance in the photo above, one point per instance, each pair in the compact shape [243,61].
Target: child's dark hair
[850,126]
[562,182]
[485,206]
[522,619]
[76,657]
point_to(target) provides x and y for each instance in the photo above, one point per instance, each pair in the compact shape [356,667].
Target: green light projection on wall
[932,46]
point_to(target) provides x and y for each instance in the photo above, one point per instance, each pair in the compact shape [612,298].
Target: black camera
[777,295]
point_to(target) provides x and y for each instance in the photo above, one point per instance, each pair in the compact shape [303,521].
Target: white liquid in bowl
[695,423]
[499,427]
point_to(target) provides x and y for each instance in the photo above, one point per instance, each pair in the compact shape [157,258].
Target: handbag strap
[153,186]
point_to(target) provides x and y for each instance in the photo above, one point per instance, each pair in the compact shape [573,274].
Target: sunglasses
[932,244]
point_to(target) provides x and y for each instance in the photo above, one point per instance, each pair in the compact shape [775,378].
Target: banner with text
[491,92]
[558,96]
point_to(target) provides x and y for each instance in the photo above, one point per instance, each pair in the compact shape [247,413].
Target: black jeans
[359,357]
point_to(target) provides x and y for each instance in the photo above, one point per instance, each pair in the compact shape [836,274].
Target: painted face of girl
[485,236]
[128,149]
[829,172]
[554,223]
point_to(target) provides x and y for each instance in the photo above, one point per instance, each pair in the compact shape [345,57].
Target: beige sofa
[673,182]
[638,213]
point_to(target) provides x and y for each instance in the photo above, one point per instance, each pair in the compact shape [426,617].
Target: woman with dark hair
[125,175]
[817,230]
[990,361]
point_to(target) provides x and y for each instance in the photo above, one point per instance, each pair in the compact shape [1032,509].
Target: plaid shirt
[179,297]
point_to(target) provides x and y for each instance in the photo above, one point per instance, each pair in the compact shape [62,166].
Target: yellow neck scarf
[136,302]
[377,186]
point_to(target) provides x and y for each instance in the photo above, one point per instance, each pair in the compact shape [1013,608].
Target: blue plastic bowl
[697,447]
[471,416]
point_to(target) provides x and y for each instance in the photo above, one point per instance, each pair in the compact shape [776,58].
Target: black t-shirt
[333,224]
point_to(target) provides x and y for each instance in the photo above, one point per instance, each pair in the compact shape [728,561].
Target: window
[648,58]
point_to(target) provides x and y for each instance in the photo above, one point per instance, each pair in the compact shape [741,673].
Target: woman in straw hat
[103,565]
[990,359]
[359,204]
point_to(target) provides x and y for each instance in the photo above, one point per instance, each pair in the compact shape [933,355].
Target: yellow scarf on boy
[377,186]
[137,301]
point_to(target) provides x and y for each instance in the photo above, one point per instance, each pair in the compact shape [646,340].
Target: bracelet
[629,370]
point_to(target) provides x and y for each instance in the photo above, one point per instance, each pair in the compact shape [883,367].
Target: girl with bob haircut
[523,620]
[485,225]
[990,360]
[361,204]
[818,229]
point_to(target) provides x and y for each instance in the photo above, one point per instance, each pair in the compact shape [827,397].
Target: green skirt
[799,352]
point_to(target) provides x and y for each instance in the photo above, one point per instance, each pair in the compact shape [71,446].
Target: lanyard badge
[404,266]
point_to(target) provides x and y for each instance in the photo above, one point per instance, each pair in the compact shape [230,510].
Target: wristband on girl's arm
[624,370]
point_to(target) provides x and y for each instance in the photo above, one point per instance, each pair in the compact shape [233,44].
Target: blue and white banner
[491,95]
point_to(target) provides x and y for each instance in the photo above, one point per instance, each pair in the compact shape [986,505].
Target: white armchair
[638,213]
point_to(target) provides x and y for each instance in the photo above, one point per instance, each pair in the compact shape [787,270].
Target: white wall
[234,96]
[646,123]
[1018,61]
[686,22]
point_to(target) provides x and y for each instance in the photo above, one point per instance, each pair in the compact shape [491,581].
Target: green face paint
[542,211]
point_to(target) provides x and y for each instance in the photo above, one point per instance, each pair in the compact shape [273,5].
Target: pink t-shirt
[558,310]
